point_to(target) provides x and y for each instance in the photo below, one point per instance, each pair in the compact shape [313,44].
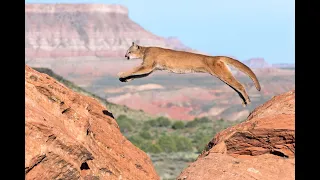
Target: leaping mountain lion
[157,58]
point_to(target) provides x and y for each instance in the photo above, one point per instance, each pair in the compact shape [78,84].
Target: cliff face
[71,30]
[262,147]
[72,136]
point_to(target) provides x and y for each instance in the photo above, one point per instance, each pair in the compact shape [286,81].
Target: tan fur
[156,58]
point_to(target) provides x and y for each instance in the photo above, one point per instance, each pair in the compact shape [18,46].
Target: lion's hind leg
[220,70]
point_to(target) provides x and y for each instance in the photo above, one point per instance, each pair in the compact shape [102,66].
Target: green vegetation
[159,122]
[162,135]
[125,123]
[178,125]
[172,145]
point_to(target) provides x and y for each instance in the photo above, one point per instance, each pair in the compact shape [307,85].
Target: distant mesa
[92,30]
[78,30]
[75,8]
[257,63]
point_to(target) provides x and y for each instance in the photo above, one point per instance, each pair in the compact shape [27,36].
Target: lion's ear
[135,45]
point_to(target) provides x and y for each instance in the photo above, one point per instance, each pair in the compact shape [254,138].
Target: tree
[178,125]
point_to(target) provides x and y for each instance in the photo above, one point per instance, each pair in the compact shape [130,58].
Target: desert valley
[82,46]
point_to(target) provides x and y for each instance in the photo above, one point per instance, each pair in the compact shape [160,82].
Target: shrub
[201,139]
[152,123]
[204,120]
[197,121]
[159,122]
[182,143]
[163,122]
[167,144]
[193,123]
[201,143]
[153,148]
[136,140]
[145,135]
[145,126]
[178,125]
[174,143]
[145,145]
[126,124]
[123,118]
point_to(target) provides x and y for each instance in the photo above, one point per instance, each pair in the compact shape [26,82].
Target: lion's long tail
[242,67]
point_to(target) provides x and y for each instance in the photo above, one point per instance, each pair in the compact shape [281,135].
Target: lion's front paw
[125,80]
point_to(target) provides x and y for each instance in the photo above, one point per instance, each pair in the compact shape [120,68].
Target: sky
[240,28]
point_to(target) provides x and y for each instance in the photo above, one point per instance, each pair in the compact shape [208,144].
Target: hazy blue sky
[239,28]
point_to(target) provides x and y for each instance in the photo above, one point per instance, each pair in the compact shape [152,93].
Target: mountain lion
[156,58]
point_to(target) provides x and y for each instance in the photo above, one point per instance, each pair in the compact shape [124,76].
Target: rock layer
[262,147]
[72,30]
[72,136]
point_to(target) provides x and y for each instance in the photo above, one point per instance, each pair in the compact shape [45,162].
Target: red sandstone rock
[262,147]
[72,136]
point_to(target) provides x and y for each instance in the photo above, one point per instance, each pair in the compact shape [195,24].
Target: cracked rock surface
[262,147]
[70,136]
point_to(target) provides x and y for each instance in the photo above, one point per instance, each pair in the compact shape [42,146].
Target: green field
[172,145]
